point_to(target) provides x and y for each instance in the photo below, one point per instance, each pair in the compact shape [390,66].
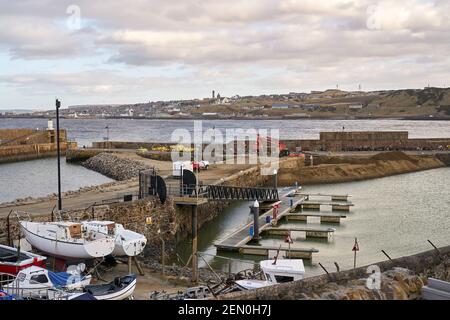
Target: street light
[58,105]
[107,137]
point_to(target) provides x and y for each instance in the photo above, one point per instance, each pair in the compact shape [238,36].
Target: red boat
[12,262]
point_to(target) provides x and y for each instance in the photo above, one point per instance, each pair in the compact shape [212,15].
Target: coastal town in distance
[227,159]
[426,103]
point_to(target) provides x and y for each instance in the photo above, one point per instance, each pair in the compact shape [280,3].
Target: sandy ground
[145,284]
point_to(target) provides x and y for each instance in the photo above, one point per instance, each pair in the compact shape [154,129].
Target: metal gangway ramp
[221,192]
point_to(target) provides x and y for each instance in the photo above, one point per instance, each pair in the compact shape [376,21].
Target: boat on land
[38,282]
[66,240]
[12,260]
[274,272]
[127,242]
[120,288]
[35,283]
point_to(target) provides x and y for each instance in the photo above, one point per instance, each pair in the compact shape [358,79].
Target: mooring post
[355,249]
[337,267]
[324,268]
[255,210]
[384,252]
[194,245]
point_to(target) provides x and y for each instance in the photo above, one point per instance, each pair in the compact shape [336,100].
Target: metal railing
[10,285]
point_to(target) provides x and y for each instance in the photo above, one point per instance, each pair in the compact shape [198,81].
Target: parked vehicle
[177,166]
[200,165]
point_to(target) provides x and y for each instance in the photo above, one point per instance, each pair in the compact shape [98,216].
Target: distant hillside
[428,97]
[404,104]
[17,111]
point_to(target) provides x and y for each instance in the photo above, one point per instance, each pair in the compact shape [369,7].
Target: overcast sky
[121,51]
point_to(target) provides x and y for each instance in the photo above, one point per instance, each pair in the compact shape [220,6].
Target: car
[200,165]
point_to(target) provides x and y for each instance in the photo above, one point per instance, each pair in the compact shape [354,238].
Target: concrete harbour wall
[26,144]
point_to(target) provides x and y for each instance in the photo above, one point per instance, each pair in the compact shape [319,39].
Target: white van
[177,165]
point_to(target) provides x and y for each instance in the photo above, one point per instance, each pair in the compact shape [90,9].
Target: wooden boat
[13,260]
[66,240]
[127,242]
[275,272]
[120,289]
[39,282]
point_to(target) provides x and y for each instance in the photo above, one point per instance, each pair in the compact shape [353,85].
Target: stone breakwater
[115,167]
[401,279]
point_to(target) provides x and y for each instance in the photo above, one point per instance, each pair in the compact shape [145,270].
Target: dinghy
[13,260]
[127,242]
[66,240]
[120,289]
[275,272]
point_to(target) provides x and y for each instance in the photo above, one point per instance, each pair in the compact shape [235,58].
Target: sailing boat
[127,242]
[66,240]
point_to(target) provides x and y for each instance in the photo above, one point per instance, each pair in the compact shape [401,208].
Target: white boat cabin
[61,230]
[103,227]
[283,271]
[275,272]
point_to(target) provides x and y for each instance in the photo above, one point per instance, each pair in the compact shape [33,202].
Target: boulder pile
[115,167]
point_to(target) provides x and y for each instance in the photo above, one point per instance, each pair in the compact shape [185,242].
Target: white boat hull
[123,294]
[127,242]
[130,247]
[66,249]
[252,284]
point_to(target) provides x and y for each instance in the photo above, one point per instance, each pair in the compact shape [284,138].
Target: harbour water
[397,214]
[37,178]
[88,130]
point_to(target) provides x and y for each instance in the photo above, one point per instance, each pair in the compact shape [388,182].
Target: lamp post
[107,137]
[58,105]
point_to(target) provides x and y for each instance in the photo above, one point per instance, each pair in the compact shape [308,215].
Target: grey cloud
[255,44]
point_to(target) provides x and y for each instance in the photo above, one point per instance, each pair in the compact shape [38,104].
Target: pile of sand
[392,156]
